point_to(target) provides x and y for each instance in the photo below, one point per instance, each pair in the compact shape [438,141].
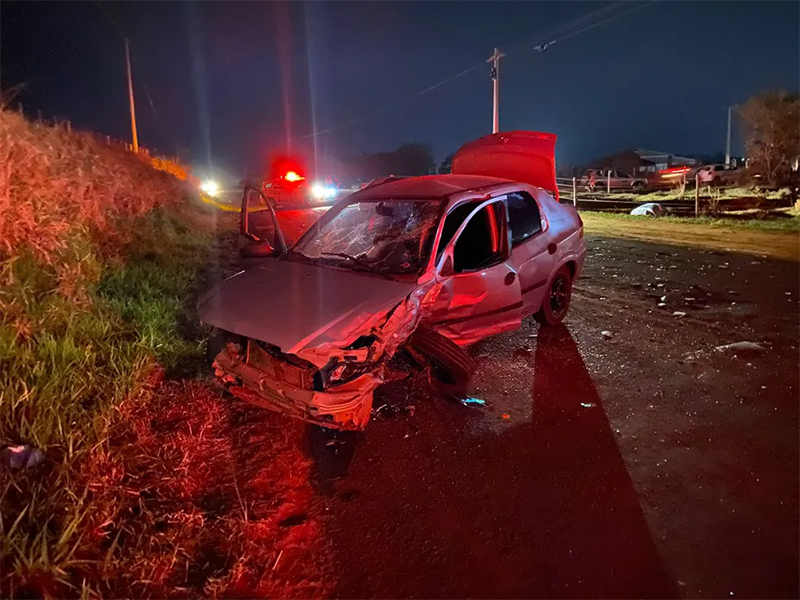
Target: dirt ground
[621,455]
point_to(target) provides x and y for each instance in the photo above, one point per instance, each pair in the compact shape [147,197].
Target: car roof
[434,187]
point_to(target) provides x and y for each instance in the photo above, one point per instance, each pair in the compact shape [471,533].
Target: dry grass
[207,494]
[54,183]
[699,233]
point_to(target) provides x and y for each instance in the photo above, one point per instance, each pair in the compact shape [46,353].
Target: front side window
[388,236]
[524,217]
[481,243]
[451,224]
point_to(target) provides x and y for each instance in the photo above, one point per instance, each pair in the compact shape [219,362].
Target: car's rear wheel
[556,304]
[638,186]
[452,365]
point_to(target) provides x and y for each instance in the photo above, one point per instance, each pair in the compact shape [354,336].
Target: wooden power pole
[495,60]
[130,96]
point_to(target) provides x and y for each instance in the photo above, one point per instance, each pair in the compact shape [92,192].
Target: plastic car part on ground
[24,456]
[651,209]
[473,402]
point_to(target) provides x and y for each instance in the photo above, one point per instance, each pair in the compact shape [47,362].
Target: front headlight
[210,187]
[322,192]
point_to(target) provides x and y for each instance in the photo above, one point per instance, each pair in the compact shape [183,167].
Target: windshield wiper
[360,262]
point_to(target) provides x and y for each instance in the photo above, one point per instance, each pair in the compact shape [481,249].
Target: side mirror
[257,249]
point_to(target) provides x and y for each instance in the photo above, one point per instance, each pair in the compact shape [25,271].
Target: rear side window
[524,217]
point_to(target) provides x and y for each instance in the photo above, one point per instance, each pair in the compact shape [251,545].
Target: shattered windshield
[384,236]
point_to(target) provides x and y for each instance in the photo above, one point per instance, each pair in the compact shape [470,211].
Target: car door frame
[468,323]
[537,245]
[280,242]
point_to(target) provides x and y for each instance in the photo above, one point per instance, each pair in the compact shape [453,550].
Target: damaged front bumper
[344,406]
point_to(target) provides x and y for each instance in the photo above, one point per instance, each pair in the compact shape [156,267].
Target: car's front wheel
[556,304]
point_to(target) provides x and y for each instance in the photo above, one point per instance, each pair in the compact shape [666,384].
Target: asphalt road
[640,463]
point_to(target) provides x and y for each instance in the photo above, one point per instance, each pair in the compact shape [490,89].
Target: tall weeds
[97,253]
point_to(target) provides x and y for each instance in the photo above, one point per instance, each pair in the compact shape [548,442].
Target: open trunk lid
[526,156]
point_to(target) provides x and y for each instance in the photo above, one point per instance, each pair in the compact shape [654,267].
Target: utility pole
[130,96]
[728,142]
[495,60]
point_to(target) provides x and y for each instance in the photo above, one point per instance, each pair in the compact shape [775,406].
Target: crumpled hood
[296,305]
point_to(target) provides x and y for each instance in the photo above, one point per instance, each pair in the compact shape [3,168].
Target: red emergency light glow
[293,176]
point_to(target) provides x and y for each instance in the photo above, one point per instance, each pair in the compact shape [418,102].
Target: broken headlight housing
[355,361]
[346,371]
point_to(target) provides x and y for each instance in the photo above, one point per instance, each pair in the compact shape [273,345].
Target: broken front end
[325,357]
[337,396]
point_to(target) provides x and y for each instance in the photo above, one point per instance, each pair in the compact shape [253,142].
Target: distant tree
[771,130]
[446,166]
[414,159]
[408,159]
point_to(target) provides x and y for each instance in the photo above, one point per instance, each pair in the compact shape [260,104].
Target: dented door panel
[477,303]
[472,306]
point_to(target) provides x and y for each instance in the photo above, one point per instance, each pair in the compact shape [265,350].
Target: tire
[553,311]
[638,186]
[716,182]
[455,365]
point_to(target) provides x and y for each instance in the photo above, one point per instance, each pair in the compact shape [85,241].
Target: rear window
[524,217]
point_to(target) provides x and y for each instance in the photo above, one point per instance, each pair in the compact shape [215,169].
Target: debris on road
[607,334]
[588,404]
[679,313]
[650,209]
[25,456]
[473,402]
[741,347]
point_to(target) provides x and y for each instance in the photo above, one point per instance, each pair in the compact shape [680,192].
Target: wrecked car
[450,259]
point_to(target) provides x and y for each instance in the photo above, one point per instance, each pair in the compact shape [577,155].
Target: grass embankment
[776,238]
[149,485]
[98,251]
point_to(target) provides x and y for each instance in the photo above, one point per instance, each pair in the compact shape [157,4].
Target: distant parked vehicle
[717,174]
[598,180]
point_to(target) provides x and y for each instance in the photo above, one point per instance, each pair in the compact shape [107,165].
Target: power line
[569,25]
[542,46]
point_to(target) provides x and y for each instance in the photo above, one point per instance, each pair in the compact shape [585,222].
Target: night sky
[212,79]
